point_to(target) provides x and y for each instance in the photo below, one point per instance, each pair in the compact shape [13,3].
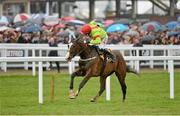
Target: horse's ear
[80,37]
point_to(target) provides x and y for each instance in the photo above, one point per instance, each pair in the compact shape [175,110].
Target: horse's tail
[130,70]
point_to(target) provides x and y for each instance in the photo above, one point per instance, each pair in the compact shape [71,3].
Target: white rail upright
[4,64]
[40,83]
[70,67]
[26,63]
[164,53]
[171,79]
[137,62]
[108,88]
[151,61]
[33,64]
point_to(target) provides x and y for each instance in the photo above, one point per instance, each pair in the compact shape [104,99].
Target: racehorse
[91,64]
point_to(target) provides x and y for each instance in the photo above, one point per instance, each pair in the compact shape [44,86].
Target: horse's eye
[68,45]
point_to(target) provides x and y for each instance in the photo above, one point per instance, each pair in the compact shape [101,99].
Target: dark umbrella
[76,22]
[31,28]
[125,21]
[147,39]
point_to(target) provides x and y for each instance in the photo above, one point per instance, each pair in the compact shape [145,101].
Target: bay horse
[92,65]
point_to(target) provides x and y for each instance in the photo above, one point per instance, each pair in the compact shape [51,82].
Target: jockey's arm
[96,41]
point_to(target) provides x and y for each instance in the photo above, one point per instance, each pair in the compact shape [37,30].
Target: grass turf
[148,94]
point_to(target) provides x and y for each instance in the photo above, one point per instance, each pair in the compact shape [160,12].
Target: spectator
[53,43]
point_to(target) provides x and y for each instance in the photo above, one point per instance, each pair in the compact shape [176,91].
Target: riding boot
[97,49]
[110,55]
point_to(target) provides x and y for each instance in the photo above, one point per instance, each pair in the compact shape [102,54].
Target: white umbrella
[37,18]
[51,21]
[3,28]
[3,20]
[22,17]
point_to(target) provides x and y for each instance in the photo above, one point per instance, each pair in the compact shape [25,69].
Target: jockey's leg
[110,55]
[97,49]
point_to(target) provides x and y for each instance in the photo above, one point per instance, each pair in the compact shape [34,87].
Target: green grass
[148,94]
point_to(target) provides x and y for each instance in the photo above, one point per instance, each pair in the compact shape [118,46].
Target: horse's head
[75,48]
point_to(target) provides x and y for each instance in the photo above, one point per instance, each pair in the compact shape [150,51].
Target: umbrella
[3,28]
[3,20]
[147,39]
[172,25]
[173,34]
[108,22]
[151,26]
[31,28]
[60,26]
[178,19]
[37,18]
[76,22]
[117,27]
[132,33]
[125,21]
[23,17]
[67,18]
[51,21]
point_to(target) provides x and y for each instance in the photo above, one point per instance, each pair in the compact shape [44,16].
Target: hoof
[93,100]
[72,97]
[77,93]
[71,94]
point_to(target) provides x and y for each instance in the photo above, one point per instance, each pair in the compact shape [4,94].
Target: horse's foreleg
[71,86]
[84,81]
[102,88]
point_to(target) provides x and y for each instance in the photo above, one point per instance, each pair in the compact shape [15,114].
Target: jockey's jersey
[97,32]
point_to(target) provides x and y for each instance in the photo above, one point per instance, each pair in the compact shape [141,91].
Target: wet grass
[148,94]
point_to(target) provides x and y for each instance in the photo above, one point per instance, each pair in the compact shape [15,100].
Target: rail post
[151,61]
[40,83]
[108,86]
[26,55]
[33,64]
[171,79]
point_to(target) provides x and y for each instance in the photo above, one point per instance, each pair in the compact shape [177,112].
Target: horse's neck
[88,53]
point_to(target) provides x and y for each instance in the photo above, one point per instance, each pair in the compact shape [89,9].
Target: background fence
[32,53]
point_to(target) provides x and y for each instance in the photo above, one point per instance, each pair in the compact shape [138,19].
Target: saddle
[104,55]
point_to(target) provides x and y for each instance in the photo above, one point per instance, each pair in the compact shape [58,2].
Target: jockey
[98,35]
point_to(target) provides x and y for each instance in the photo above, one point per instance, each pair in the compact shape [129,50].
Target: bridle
[83,49]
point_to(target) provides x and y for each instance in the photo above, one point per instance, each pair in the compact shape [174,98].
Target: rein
[87,59]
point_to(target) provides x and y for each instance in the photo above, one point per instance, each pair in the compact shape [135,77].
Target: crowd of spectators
[64,34]
[136,35]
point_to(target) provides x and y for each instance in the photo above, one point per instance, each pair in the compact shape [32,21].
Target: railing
[133,59]
[9,50]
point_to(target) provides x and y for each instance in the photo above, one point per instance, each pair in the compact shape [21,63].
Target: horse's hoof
[93,100]
[72,97]
[77,93]
[72,94]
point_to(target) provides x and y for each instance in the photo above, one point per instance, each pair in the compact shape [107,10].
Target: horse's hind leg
[71,86]
[102,88]
[123,84]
